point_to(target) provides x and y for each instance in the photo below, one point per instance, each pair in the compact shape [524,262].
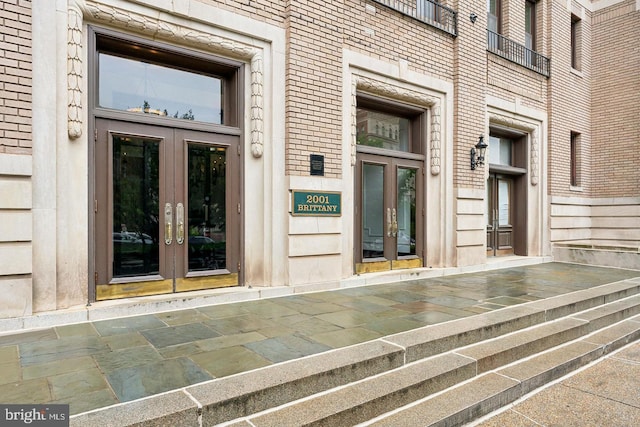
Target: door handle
[394,223]
[168,225]
[180,223]
[389,224]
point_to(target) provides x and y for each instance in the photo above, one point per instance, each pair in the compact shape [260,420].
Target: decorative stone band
[157,29]
[376,87]
[527,127]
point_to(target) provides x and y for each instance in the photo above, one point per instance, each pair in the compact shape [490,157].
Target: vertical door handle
[394,223]
[180,223]
[389,224]
[168,224]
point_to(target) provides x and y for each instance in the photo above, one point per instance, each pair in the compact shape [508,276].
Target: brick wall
[569,100]
[470,74]
[15,76]
[616,100]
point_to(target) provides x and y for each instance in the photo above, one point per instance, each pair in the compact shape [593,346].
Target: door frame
[391,161]
[233,71]
[174,275]
[517,209]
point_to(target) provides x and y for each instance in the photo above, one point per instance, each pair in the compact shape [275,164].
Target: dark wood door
[167,210]
[389,213]
[500,214]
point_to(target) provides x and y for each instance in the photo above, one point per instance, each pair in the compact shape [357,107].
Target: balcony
[515,52]
[428,11]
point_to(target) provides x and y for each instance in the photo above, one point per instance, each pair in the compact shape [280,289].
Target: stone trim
[376,87]
[157,29]
[534,155]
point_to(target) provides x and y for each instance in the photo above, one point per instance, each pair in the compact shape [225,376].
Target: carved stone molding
[534,155]
[156,28]
[376,87]
[74,72]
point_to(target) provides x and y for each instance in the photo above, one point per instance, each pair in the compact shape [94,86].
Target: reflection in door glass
[406,215]
[372,211]
[207,211]
[503,202]
[135,206]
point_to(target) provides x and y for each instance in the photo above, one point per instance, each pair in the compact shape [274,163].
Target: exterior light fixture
[477,153]
[473,17]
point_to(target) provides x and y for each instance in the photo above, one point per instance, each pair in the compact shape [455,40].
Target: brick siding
[616,98]
[15,76]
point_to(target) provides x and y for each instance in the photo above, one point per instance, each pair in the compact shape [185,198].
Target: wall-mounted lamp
[473,17]
[477,153]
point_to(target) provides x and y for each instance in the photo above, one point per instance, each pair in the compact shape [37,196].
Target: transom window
[500,151]
[142,78]
[388,125]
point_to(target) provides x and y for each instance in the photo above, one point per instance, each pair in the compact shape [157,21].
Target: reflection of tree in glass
[186,116]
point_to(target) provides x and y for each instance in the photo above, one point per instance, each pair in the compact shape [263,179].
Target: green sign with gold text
[316,203]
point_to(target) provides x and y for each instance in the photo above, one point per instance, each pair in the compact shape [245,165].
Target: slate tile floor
[97,364]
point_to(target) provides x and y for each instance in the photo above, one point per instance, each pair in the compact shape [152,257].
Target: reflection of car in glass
[202,253]
[132,251]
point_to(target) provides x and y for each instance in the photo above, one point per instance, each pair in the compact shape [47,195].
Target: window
[427,10]
[142,78]
[576,43]
[493,15]
[494,24]
[500,151]
[575,159]
[530,25]
[388,125]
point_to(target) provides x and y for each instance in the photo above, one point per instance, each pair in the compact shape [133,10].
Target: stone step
[493,390]
[369,398]
[230,398]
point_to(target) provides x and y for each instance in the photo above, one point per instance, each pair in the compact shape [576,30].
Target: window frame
[417,124]
[576,37]
[103,40]
[574,159]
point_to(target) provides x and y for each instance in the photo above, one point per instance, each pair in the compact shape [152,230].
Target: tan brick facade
[302,68]
[15,76]
[615,106]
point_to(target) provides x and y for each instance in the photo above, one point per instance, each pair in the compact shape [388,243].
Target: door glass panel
[145,88]
[373,211]
[383,130]
[135,206]
[406,212]
[207,242]
[503,202]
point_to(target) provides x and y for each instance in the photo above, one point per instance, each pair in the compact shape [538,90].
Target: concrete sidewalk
[97,364]
[606,393]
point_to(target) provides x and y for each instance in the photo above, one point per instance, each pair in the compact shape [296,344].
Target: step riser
[321,412]
[527,376]
[495,360]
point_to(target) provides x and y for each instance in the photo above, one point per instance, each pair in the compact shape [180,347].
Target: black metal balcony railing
[428,11]
[517,53]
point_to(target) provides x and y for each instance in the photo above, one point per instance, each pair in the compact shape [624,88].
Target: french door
[389,213]
[500,215]
[167,210]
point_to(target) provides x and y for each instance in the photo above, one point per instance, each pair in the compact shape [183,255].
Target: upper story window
[530,24]
[576,42]
[494,15]
[140,78]
[388,125]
